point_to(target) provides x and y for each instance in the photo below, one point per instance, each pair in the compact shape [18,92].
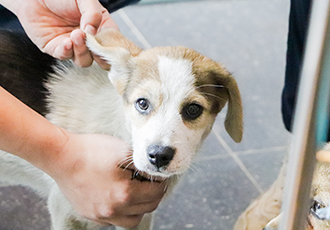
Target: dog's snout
[160,155]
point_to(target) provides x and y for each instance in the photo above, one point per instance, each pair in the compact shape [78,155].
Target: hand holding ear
[56,27]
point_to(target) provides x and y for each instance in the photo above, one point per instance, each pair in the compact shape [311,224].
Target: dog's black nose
[159,155]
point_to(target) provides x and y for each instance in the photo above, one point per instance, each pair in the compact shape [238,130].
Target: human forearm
[26,134]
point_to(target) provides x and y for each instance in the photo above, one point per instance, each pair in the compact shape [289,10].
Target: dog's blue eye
[142,105]
[191,111]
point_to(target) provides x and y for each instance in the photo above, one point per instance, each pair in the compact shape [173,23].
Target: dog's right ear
[118,51]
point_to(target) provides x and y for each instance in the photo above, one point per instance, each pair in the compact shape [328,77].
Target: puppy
[162,101]
[320,198]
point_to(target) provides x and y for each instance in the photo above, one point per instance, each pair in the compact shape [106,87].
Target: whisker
[137,172]
[165,183]
[210,85]
[126,167]
[193,167]
[210,94]
[126,160]
[121,165]
[131,152]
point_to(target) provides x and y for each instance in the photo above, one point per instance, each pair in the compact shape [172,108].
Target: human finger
[91,14]
[141,209]
[323,156]
[94,16]
[107,21]
[147,192]
[81,54]
[143,187]
[60,47]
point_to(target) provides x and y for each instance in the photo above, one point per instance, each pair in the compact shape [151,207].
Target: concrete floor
[249,37]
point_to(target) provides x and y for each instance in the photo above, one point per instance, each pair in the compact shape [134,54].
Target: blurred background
[249,38]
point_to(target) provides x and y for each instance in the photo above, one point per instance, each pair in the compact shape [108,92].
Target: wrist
[52,150]
[64,154]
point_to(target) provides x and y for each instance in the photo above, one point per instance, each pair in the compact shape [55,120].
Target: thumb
[91,15]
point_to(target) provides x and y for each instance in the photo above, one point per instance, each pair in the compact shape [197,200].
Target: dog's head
[172,96]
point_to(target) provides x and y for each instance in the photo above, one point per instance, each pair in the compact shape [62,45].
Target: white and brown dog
[162,101]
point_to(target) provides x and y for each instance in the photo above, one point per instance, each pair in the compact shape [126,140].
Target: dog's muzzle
[160,156]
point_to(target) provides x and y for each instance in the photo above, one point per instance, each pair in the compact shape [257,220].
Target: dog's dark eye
[142,105]
[192,111]
[315,206]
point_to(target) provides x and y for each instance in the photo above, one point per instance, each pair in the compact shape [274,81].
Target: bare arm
[27,134]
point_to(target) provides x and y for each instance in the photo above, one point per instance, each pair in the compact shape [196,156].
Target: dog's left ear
[217,84]
[234,117]
[118,51]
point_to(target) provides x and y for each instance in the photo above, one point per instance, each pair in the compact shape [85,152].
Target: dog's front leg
[62,215]
[145,224]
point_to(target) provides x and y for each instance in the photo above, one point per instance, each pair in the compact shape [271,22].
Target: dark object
[159,155]
[298,26]
[24,69]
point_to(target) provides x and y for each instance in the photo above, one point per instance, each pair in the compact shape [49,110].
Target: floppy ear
[234,117]
[218,86]
[118,51]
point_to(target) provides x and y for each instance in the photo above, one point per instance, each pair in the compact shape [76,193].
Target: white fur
[81,96]
[166,127]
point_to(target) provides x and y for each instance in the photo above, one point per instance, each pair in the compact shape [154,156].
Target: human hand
[323,156]
[87,170]
[57,26]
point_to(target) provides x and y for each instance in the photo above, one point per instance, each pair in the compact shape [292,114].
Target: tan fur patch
[113,38]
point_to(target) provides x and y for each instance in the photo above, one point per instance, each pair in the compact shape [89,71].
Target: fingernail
[90,29]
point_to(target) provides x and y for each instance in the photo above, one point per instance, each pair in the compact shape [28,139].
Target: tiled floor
[249,37]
